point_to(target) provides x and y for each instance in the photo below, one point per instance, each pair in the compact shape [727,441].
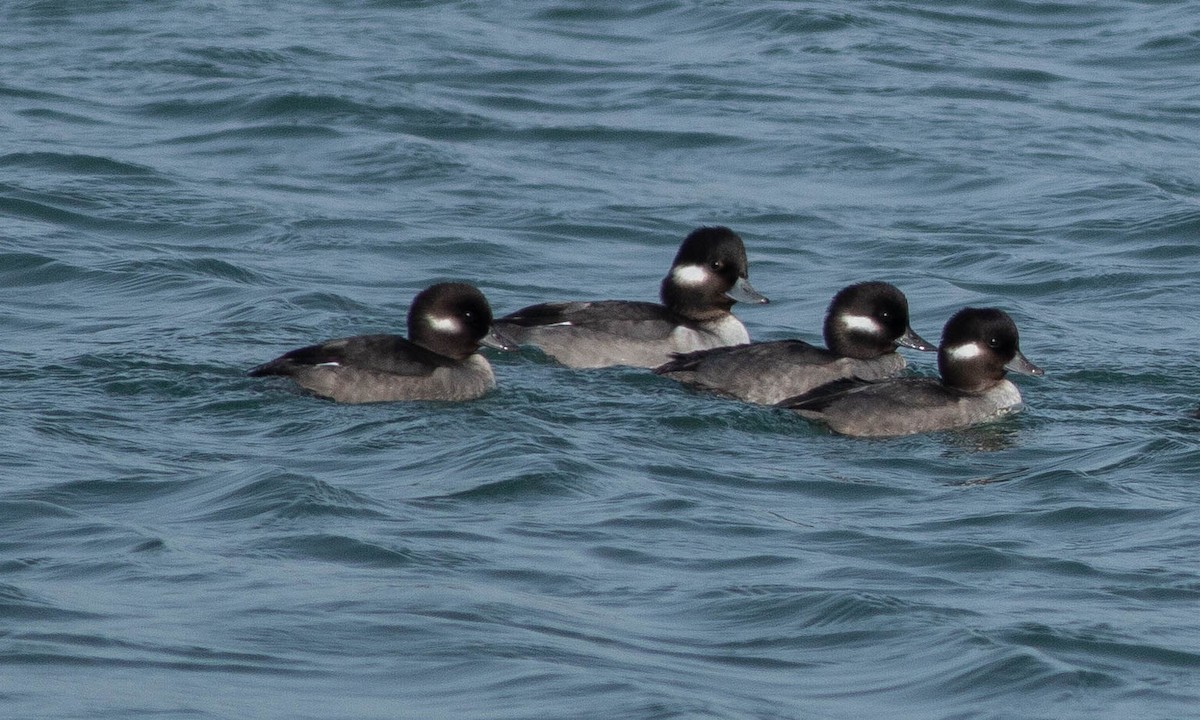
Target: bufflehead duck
[708,275]
[977,346]
[447,323]
[864,324]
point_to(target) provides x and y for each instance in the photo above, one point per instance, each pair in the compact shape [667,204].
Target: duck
[709,274]
[864,325]
[439,360]
[977,349]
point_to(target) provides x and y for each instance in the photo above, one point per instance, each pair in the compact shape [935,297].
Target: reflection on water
[1001,434]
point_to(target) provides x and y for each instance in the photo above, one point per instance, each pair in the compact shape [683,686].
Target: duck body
[905,406]
[769,372]
[617,332]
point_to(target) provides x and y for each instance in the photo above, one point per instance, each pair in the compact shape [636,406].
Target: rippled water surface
[189,189]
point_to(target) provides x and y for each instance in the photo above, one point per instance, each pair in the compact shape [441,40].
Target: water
[188,189]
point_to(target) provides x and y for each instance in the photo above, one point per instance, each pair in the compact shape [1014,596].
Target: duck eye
[994,343]
[717,265]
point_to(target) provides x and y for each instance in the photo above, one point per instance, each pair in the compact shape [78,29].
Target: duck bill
[911,339]
[1021,364]
[498,340]
[743,292]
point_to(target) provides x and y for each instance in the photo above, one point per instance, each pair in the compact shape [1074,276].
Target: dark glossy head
[870,319]
[709,275]
[978,346]
[453,319]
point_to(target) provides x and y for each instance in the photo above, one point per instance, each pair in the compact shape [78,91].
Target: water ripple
[190,191]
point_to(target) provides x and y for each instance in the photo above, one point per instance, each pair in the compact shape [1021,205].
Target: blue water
[188,189]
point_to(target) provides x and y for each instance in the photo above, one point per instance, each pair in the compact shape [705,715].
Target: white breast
[731,331]
[726,331]
[1005,397]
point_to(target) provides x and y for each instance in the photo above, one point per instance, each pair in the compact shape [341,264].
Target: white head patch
[861,322]
[444,324]
[966,351]
[690,275]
